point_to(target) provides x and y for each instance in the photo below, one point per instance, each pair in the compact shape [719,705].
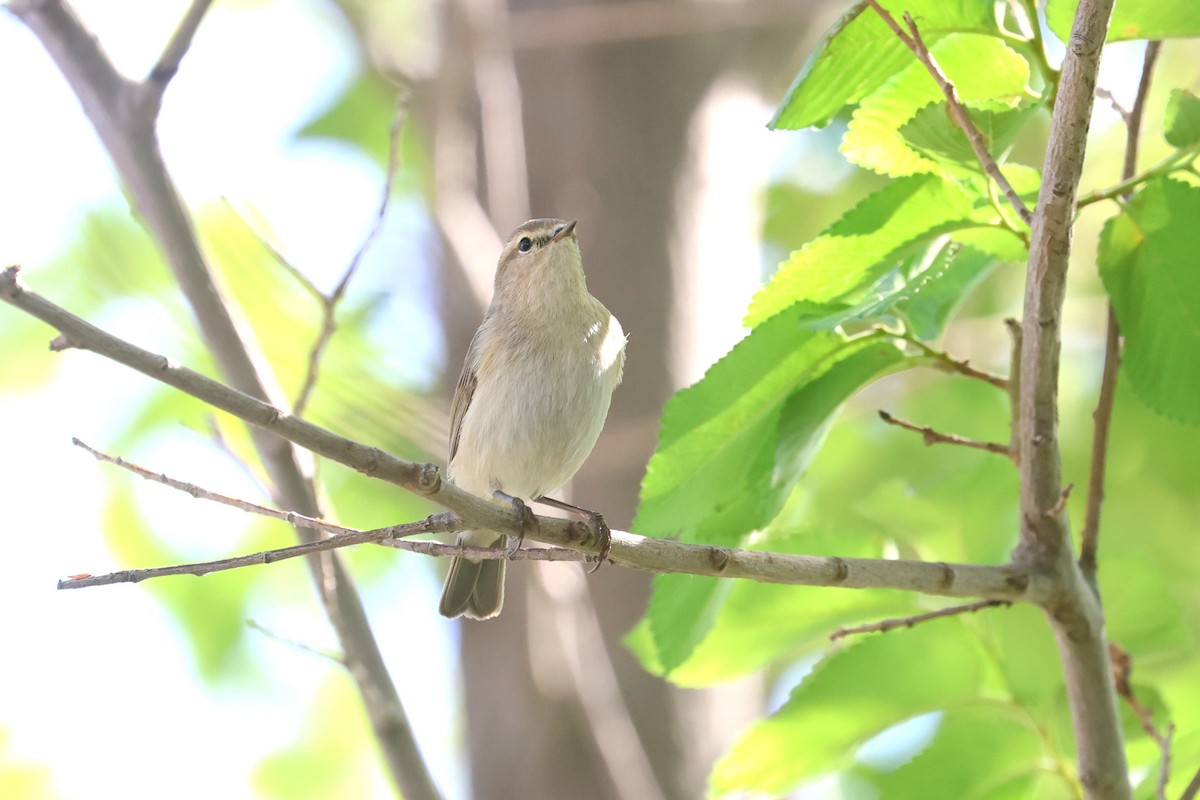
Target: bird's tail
[474,589]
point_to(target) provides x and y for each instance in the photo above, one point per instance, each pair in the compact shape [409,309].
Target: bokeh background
[644,120]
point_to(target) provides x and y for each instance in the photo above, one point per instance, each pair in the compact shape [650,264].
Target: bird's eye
[525,245]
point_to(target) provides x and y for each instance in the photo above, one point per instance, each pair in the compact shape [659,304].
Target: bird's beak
[564,231]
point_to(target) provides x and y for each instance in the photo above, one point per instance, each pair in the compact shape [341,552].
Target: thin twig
[1060,504]
[276,254]
[933,437]
[152,89]
[291,517]
[1177,161]
[886,625]
[1122,668]
[948,363]
[336,658]
[954,107]
[1102,416]
[1122,111]
[330,301]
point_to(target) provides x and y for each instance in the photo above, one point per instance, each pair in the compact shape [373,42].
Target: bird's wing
[463,392]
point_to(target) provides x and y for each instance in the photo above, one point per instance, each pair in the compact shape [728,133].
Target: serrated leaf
[1147,261]
[987,74]
[849,697]
[932,134]
[733,445]
[732,451]
[944,275]
[1133,19]
[928,301]
[857,249]
[859,52]
[1182,125]
[760,622]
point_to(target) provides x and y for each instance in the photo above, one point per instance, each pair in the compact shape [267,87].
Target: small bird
[532,397]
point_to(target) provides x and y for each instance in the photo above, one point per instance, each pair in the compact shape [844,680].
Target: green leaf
[976,753]
[932,133]
[733,448]
[1148,264]
[1133,19]
[939,279]
[760,622]
[1182,124]
[860,52]
[927,302]
[859,248]
[987,74]
[854,694]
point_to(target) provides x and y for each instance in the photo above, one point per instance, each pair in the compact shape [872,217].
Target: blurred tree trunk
[606,130]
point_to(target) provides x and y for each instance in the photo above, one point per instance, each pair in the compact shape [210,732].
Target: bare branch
[336,658]
[954,107]
[164,70]
[948,363]
[1102,416]
[639,552]
[933,437]
[330,301]
[907,622]
[1122,669]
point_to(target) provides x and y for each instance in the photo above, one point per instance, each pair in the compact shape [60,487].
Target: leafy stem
[1179,161]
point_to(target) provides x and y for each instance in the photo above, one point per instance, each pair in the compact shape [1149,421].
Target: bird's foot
[528,520]
[597,527]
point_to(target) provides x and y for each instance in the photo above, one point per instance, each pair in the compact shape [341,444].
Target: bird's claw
[528,520]
[602,533]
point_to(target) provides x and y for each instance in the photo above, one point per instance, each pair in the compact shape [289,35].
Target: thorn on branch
[907,622]
[932,437]
[1060,504]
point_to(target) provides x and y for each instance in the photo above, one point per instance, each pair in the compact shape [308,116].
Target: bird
[531,400]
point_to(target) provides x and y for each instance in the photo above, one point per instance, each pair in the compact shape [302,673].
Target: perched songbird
[532,397]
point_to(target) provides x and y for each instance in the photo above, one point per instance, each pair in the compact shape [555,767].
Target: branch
[628,549]
[164,70]
[1122,667]
[1075,614]
[933,437]
[330,302]
[1179,160]
[948,363]
[886,625]
[1102,416]
[954,107]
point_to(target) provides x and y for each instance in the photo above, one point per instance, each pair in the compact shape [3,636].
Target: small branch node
[429,479]
[1061,503]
